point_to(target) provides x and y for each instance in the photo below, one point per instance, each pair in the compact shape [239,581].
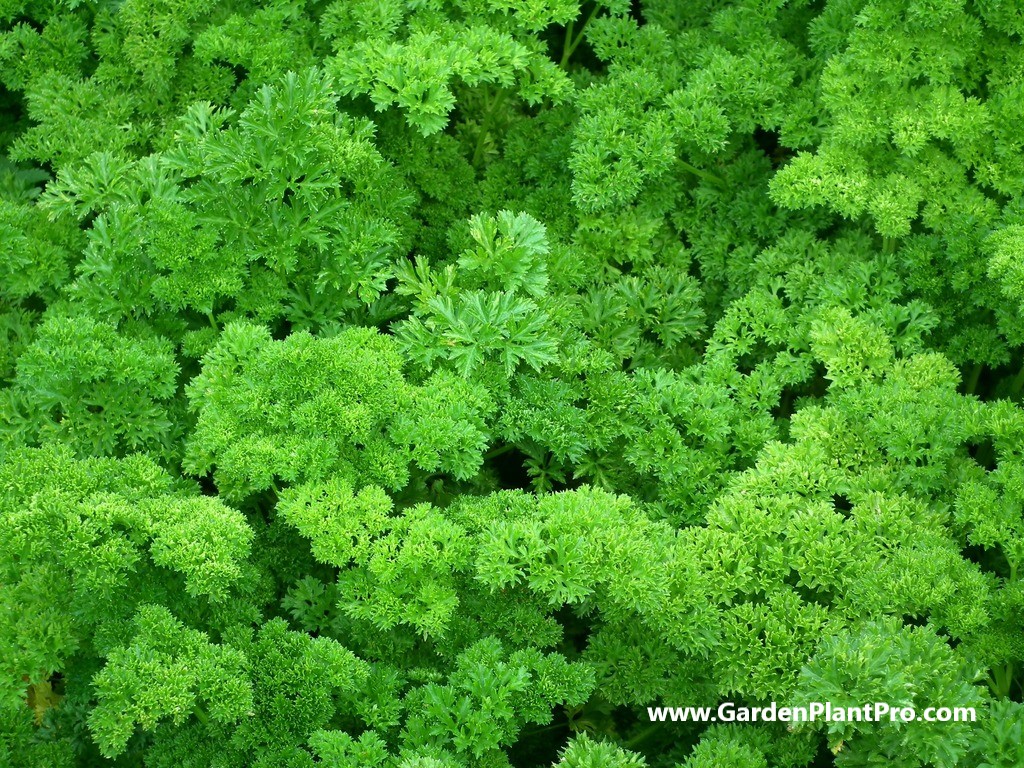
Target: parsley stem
[1000,680]
[546,729]
[972,381]
[570,44]
[495,452]
[1018,383]
[485,126]
[643,736]
[567,45]
[709,177]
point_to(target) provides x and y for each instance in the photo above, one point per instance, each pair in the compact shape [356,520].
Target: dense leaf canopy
[443,383]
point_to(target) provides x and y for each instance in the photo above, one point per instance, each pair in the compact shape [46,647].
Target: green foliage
[166,672]
[414,57]
[441,384]
[485,308]
[99,391]
[583,752]
[297,409]
[877,663]
[84,541]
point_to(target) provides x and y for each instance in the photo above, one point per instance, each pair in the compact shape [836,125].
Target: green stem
[213,319]
[567,45]
[494,452]
[993,686]
[1001,680]
[545,729]
[1018,383]
[201,716]
[710,177]
[889,245]
[485,127]
[570,44]
[643,736]
[972,380]
[786,404]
